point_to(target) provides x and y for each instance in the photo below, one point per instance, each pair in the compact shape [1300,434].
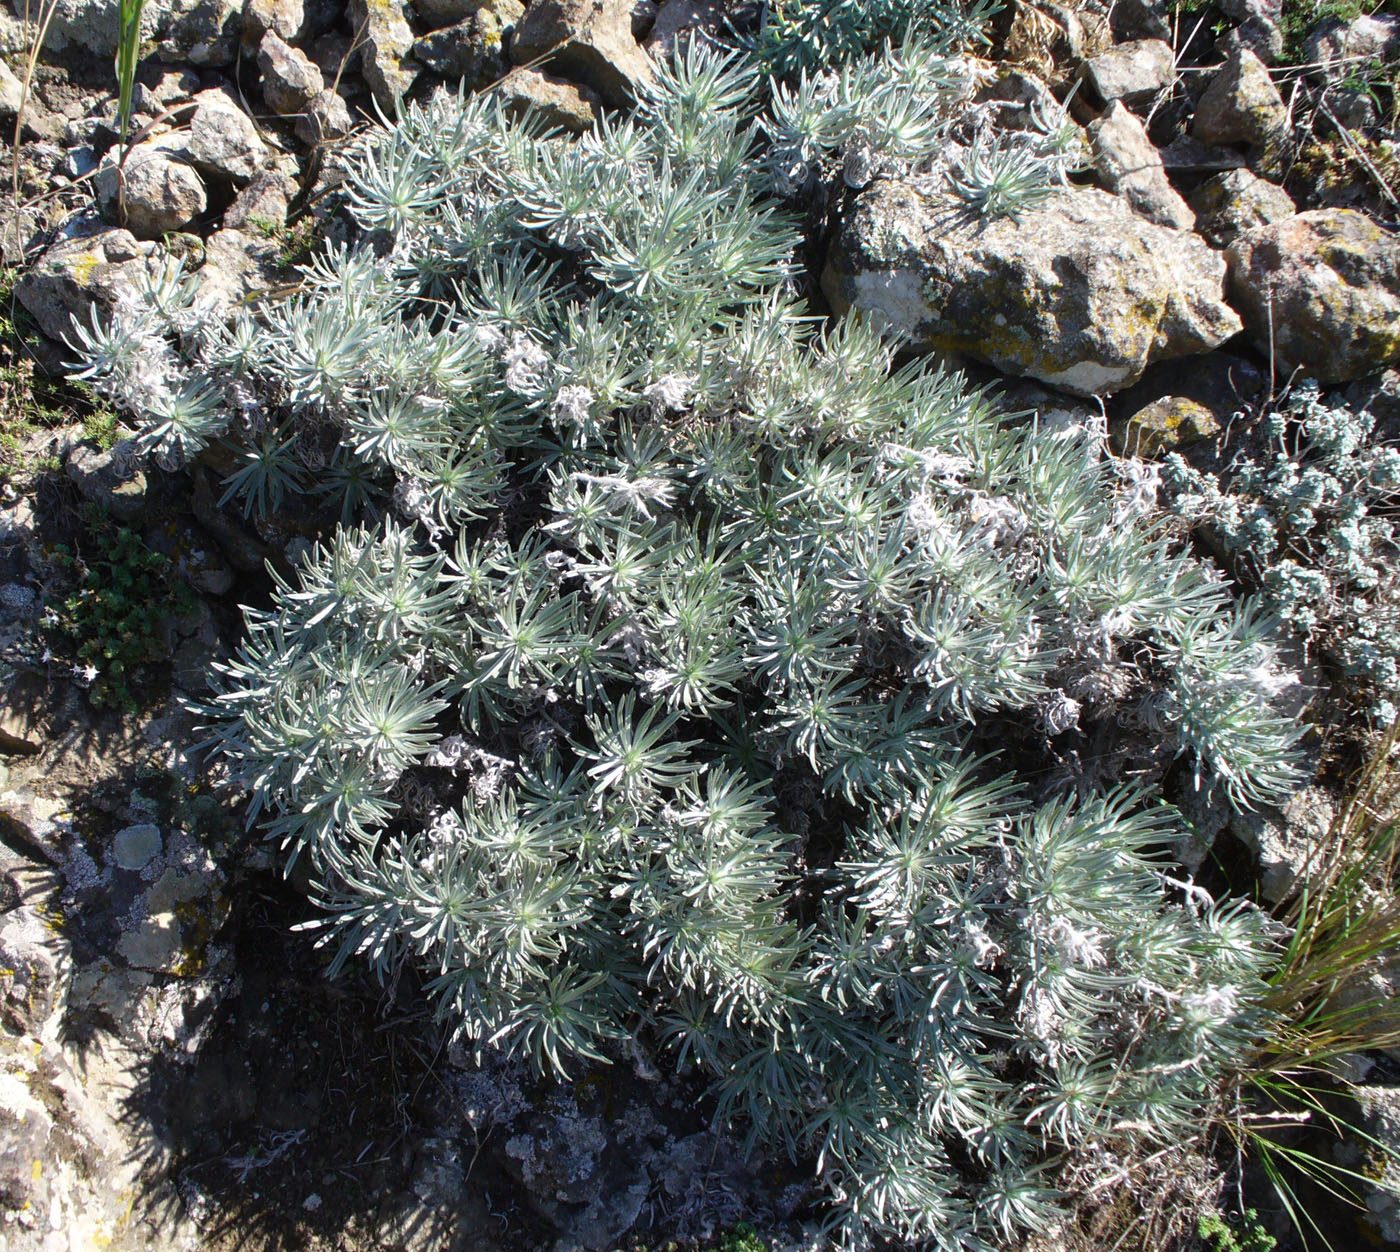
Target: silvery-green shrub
[687,675]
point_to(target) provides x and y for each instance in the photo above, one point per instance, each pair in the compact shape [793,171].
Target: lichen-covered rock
[473,49]
[1235,201]
[1321,292]
[1241,105]
[284,18]
[237,265]
[385,38]
[1127,164]
[590,40]
[89,267]
[154,193]
[557,102]
[289,80]
[1163,426]
[1132,71]
[223,140]
[171,924]
[1081,293]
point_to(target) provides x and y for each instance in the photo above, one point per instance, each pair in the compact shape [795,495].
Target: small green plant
[1245,1234]
[743,1238]
[108,626]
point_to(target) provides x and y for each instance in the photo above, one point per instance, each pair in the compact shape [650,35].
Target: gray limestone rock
[558,102]
[91,266]
[1241,105]
[1080,293]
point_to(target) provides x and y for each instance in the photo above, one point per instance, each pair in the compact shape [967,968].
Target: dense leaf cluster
[656,705]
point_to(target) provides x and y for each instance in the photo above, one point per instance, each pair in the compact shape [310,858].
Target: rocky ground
[176,1072]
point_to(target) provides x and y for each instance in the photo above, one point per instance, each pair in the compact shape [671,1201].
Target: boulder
[223,141]
[385,38]
[157,190]
[1231,203]
[473,50]
[1127,164]
[557,102]
[1080,293]
[1321,292]
[588,40]
[1241,105]
[1132,72]
[90,267]
[289,80]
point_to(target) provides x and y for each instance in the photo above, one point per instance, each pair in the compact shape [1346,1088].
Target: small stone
[590,40]
[1320,291]
[223,139]
[554,101]
[1241,105]
[289,80]
[161,193]
[1259,27]
[262,204]
[1163,426]
[112,479]
[11,92]
[199,32]
[474,49]
[1336,46]
[238,264]
[678,20]
[1231,203]
[135,847]
[1287,841]
[1128,164]
[1134,71]
[284,18]
[325,119]
[1140,19]
[385,38]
